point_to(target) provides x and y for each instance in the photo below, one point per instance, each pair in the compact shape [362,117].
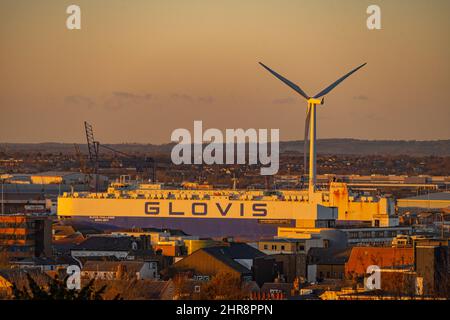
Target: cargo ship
[207,212]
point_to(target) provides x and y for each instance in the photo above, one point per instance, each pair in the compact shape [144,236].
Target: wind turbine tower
[310,122]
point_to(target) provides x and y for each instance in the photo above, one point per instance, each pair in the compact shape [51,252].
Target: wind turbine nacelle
[315,101]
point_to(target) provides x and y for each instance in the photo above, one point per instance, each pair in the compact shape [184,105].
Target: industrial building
[300,240]
[429,201]
[38,192]
[375,236]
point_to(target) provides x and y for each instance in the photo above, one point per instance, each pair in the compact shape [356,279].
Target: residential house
[327,263]
[282,245]
[120,270]
[119,247]
[234,258]
[288,266]
[277,290]
[45,264]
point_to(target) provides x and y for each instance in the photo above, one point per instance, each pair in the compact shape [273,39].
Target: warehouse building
[430,201]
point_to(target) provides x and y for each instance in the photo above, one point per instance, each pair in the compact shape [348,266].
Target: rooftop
[102,243]
[328,256]
[112,266]
[283,240]
[436,196]
[222,254]
[54,173]
[362,257]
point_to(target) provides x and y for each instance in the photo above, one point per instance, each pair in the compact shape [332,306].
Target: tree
[223,286]
[182,287]
[56,290]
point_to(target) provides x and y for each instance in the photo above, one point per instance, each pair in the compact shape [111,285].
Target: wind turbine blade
[286,81]
[305,140]
[334,84]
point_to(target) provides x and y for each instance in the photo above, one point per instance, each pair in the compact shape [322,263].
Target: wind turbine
[310,122]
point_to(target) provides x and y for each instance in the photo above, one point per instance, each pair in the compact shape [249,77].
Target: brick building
[23,236]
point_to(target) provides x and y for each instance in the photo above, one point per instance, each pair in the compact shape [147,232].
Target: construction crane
[93,150]
[81,160]
[127,160]
[93,146]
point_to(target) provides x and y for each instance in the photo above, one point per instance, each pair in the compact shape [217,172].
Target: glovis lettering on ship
[212,209]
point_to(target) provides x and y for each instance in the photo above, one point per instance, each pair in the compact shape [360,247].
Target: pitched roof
[439,196]
[227,254]
[74,238]
[103,243]
[113,266]
[63,230]
[240,250]
[327,256]
[222,254]
[362,257]
[138,289]
[45,261]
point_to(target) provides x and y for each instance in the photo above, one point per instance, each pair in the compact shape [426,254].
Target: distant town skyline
[138,70]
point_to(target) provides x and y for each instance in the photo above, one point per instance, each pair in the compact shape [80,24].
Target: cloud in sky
[79,101]
[132,96]
[183,97]
[120,99]
[117,100]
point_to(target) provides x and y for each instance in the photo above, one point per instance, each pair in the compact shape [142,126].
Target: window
[366,234]
[274,247]
[282,247]
[275,291]
[353,235]
[379,234]
[266,247]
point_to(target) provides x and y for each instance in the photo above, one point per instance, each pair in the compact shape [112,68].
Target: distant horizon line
[281,141]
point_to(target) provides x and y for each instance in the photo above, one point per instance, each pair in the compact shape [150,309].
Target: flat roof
[284,240]
[436,196]
[55,173]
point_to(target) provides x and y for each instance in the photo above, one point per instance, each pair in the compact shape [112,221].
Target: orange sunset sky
[139,69]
